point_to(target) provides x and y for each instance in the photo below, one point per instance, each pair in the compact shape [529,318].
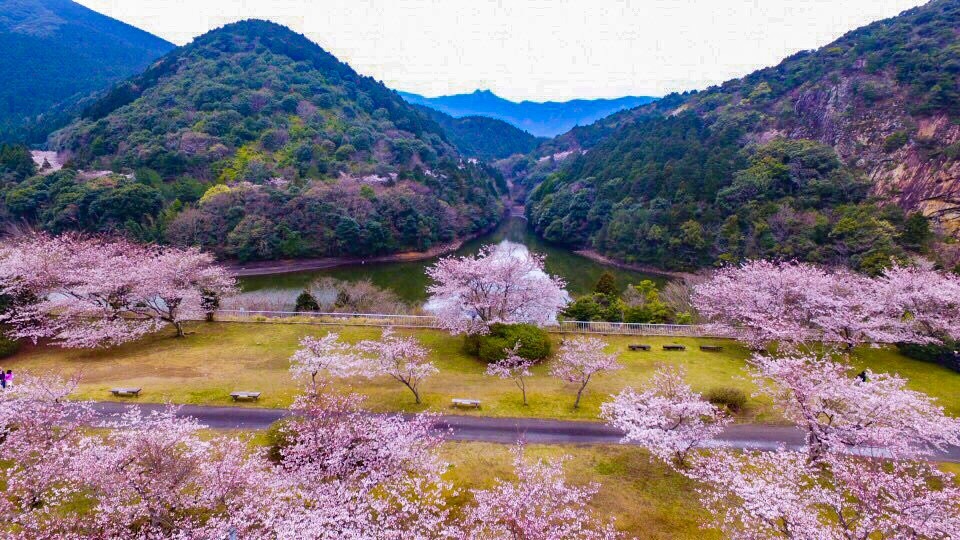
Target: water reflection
[409,280]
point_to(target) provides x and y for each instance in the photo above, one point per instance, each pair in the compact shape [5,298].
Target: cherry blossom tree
[86,292]
[579,360]
[502,284]
[777,495]
[513,367]
[793,303]
[538,505]
[838,410]
[669,418]
[926,300]
[326,355]
[400,357]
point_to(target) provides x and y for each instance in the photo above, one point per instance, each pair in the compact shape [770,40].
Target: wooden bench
[674,348]
[252,396]
[125,392]
[467,403]
[711,348]
[639,347]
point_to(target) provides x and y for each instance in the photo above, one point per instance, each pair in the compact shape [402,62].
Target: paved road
[498,430]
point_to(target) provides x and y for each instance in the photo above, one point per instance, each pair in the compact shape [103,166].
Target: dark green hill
[293,152]
[484,138]
[55,52]
[821,157]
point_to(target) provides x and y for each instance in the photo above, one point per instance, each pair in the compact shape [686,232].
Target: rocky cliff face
[911,159]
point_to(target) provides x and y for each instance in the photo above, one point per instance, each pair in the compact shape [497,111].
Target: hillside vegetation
[484,138]
[255,143]
[55,52]
[829,156]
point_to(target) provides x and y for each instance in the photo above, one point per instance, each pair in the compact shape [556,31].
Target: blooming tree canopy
[327,355]
[502,284]
[669,419]
[792,303]
[579,360]
[513,367]
[91,292]
[538,505]
[838,410]
[400,357]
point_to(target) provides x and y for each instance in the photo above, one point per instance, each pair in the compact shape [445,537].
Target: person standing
[8,379]
[3,380]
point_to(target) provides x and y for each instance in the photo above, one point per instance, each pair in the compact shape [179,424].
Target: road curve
[496,429]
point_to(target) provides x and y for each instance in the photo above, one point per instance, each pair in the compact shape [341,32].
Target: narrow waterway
[409,280]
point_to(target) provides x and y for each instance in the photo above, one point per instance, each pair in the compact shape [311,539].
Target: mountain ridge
[542,119]
[56,52]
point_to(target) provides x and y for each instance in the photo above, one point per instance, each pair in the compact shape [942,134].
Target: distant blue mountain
[541,119]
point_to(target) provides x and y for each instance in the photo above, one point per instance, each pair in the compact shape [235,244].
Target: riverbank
[289,266]
[644,268]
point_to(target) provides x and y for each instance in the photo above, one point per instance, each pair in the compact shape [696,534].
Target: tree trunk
[576,404]
[179,326]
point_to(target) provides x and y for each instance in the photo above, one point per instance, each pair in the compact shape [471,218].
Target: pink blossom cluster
[502,284]
[513,367]
[86,292]
[580,359]
[789,303]
[669,418]
[335,472]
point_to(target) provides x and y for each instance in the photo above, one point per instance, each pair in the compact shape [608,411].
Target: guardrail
[427,321]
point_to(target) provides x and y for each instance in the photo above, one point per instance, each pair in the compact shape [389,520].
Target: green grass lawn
[218,358]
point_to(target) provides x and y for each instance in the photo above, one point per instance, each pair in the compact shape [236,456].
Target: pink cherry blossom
[838,410]
[88,292]
[402,358]
[502,284]
[513,367]
[538,505]
[668,419]
[580,359]
[327,355]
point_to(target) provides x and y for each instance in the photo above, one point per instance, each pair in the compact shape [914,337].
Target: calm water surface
[409,279]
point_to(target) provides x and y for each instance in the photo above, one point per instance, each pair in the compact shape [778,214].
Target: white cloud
[534,49]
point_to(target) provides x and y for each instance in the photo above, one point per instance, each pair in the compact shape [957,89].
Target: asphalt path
[496,429]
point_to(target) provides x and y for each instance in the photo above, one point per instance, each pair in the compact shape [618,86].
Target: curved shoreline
[290,266]
[646,269]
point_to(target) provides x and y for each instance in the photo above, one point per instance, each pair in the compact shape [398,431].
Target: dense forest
[795,161]
[55,52]
[255,143]
[484,138]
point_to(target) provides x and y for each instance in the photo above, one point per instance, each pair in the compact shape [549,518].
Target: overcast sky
[534,49]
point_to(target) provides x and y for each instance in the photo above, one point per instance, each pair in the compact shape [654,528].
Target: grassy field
[218,358]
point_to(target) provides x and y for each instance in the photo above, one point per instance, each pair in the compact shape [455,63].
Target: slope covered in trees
[255,143]
[824,157]
[484,138]
[56,52]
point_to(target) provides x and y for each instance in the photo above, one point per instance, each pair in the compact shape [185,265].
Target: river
[409,280]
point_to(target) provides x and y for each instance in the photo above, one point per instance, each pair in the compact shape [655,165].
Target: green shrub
[895,141]
[306,302]
[8,347]
[733,399]
[534,342]
[277,439]
[944,354]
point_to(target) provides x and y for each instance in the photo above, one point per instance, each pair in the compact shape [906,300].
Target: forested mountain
[802,160]
[255,143]
[55,52]
[547,119]
[484,138]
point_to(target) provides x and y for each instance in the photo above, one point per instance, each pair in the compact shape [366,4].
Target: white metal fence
[427,321]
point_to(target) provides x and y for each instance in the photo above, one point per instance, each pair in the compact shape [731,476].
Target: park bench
[467,403]
[252,396]
[674,348]
[711,348]
[125,392]
[639,347]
